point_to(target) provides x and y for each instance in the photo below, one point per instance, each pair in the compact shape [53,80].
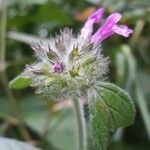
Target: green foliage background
[50,125]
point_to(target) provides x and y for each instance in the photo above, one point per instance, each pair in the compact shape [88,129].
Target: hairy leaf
[110,108]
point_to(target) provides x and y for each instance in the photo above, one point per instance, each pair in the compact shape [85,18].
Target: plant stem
[82,138]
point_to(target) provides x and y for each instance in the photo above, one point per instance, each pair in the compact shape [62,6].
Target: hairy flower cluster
[69,64]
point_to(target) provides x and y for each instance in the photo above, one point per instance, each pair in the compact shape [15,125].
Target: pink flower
[58,68]
[96,17]
[107,29]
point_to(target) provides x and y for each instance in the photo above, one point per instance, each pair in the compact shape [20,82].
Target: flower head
[69,64]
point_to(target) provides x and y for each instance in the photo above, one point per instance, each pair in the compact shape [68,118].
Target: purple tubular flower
[107,29]
[96,17]
[58,68]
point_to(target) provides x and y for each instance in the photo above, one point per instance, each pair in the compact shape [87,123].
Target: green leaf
[20,83]
[110,107]
[7,144]
[119,102]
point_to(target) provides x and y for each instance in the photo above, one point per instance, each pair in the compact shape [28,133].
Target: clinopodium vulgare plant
[73,66]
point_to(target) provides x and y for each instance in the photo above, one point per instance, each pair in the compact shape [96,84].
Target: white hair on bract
[66,64]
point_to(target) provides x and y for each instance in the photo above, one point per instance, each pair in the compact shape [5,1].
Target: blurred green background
[51,126]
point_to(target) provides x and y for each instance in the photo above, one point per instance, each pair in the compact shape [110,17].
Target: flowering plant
[73,67]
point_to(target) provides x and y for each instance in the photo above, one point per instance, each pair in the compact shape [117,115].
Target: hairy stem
[82,138]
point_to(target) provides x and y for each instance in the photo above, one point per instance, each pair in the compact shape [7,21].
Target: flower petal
[110,22]
[87,30]
[122,30]
[106,30]
[97,15]
[115,17]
